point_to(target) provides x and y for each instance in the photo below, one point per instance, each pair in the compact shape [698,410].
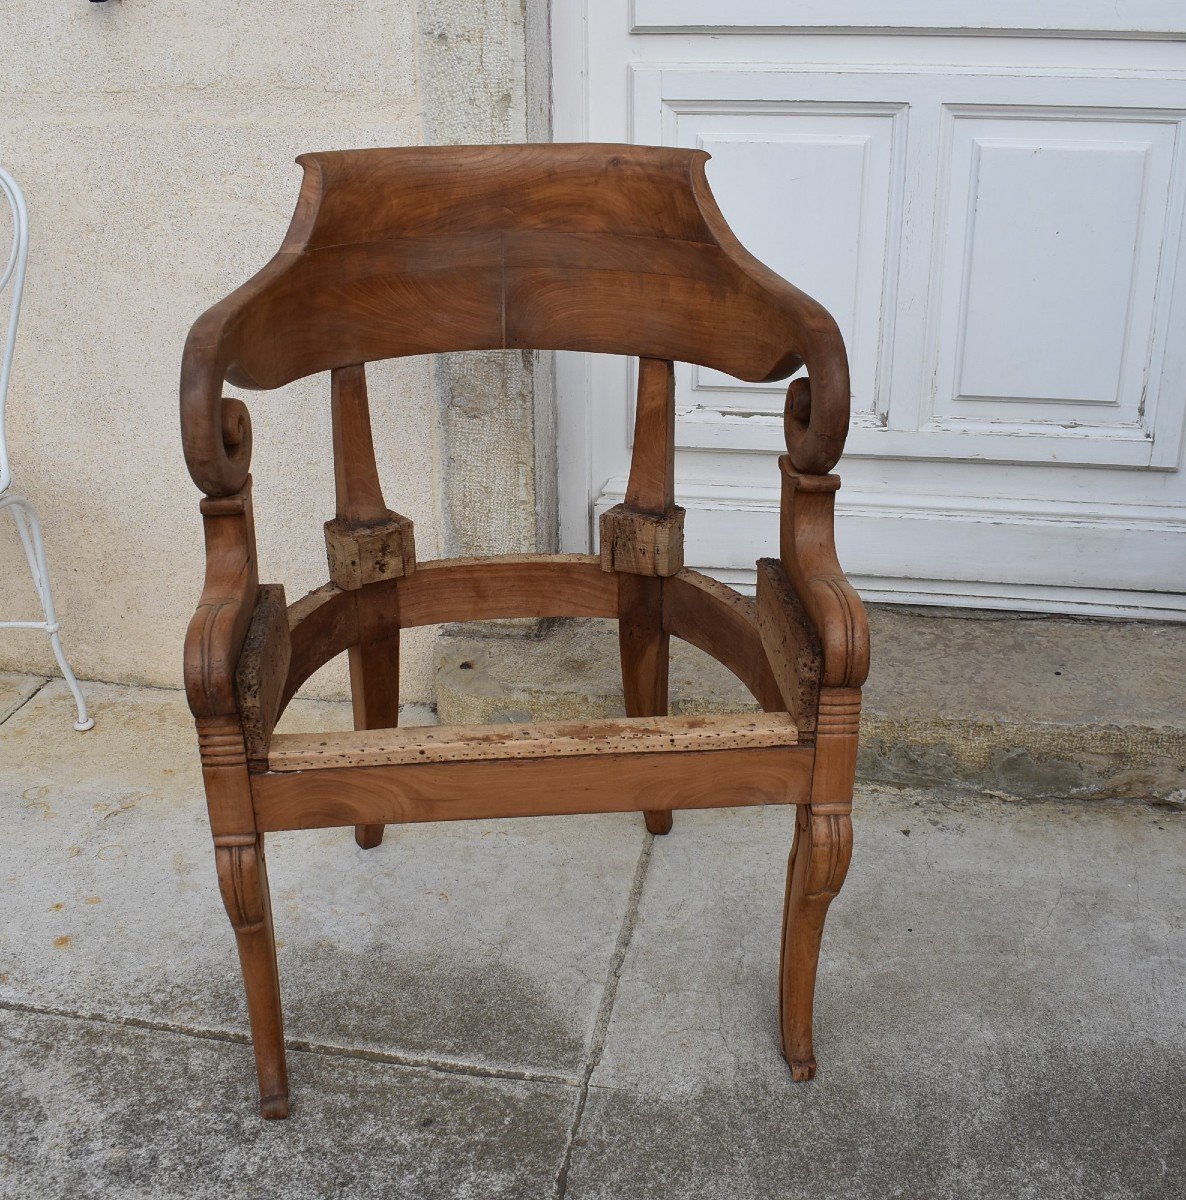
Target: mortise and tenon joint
[362,554]
[641,543]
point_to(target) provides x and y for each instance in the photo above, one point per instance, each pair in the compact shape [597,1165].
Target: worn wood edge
[700,610]
[363,553]
[457,791]
[714,618]
[553,739]
[642,543]
[263,671]
[792,646]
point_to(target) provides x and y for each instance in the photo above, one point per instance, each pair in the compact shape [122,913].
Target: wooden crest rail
[612,249]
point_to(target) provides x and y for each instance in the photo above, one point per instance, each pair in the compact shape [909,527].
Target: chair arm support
[217,629]
[808,549]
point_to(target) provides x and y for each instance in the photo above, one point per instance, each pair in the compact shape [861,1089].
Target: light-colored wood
[356,474]
[816,869]
[823,841]
[321,625]
[512,585]
[466,791]
[791,643]
[366,543]
[362,554]
[374,676]
[217,629]
[808,551]
[715,619]
[263,671]
[609,249]
[644,539]
[243,881]
[651,486]
[551,739]
[642,543]
[612,249]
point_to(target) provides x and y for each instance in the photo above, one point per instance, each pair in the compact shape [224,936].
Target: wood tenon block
[642,543]
[360,554]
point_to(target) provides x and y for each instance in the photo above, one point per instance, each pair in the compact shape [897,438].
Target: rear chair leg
[243,880]
[374,688]
[644,648]
[818,864]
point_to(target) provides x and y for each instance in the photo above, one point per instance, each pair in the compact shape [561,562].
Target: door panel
[996,224]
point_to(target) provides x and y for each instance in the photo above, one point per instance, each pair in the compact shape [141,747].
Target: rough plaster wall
[155,143]
[497,496]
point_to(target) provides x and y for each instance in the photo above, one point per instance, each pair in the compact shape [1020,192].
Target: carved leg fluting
[243,880]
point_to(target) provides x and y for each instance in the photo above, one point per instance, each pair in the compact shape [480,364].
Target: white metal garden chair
[23,513]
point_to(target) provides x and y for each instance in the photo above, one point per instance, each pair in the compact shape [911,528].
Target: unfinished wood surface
[465,791]
[791,643]
[321,625]
[608,249]
[217,629]
[366,543]
[419,250]
[356,474]
[642,543]
[512,585]
[651,485]
[808,551]
[714,618]
[374,676]
[262,672]
[648,553]
[362,554]
[548,739]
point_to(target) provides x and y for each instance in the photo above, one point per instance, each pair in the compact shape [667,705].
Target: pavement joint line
[605,1009]
[12,712]
[444,1066]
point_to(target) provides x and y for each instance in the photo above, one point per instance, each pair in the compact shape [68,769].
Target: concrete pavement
[572,1008]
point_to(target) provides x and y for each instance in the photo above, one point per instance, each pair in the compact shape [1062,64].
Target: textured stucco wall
[155,143]
[485,71]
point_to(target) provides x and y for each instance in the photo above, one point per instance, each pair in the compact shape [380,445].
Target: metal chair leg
[29,527]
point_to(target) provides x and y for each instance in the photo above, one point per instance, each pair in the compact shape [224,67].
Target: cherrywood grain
[356,474]
[715,619]
[546,739]
[511,585]
[463,791]
[611,249]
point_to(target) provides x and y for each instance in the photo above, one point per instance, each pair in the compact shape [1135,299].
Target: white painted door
[995,219]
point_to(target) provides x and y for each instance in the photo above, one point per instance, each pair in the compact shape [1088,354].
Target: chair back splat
[606,249]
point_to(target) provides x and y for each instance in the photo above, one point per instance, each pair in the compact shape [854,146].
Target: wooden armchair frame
[612,249]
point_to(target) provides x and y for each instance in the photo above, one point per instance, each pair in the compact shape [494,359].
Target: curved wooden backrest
[611,249]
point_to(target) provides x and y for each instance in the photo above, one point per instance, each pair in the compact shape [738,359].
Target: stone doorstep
[1023,706]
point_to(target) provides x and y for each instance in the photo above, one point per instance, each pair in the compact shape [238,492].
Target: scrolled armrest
[816,416]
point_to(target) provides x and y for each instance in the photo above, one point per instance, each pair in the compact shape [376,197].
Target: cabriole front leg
[815,873]
[243,881]
[818,865]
